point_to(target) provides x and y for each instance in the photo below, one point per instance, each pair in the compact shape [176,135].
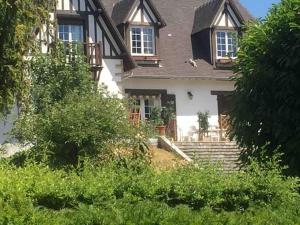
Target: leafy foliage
[156,116]
[267,97]
[136,194]
[18,19]
[70,118]
[203,121]
[81,125]
[55,76]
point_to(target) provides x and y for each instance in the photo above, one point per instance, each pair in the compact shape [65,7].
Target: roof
[175,44]
[129,62]
[208,10]
[122,10]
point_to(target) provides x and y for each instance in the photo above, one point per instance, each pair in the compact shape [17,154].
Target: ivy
[18,21]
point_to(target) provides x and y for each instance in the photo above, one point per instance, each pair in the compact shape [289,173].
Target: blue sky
[258,8]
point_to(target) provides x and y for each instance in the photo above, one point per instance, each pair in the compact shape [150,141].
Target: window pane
[148,40]
[149,104]
[226,44]
[63,32]
[136,40]
[77,33]
[232,44]
[221,44]
[69,33]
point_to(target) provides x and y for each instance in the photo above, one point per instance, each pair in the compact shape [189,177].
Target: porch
[184,126]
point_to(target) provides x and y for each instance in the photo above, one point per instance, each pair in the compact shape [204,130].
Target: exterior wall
[111,75]
[187,109]
[6,125]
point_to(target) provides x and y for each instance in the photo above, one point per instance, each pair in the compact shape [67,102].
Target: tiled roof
[122,9]
[175,42]
[207,11]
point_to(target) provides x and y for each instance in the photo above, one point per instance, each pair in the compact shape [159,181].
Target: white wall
[187,109]
[111,75]
[6,125]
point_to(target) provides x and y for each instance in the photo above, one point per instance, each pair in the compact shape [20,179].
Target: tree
[267,97]
[55,75]
[69,117]
[18,20]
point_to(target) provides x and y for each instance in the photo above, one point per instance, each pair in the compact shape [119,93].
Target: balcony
[92,51]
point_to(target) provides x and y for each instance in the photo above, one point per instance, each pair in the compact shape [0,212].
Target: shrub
[266,101]
[81,125]
[136,194]
[56,75]
[69,117]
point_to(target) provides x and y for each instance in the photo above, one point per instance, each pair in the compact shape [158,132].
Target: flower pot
[161,130]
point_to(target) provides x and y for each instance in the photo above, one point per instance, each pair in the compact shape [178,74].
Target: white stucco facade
[111,75]
[186,108]
[6,125]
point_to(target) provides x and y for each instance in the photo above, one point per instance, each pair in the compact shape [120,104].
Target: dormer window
[226,44]
[142,40]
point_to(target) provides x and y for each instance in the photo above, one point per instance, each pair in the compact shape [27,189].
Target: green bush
[79,126]
[136,194]
[56,75]
[266,102]
[69,117]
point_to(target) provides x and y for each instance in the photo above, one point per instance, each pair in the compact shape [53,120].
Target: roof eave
[130,62]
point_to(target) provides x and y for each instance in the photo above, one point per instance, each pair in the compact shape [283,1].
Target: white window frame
[70,31]
[226,43]
[142,41]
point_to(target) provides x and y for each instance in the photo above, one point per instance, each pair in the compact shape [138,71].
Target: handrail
[92,51]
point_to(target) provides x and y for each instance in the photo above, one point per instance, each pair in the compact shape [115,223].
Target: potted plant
[168,113]
[203,124]
[157,120]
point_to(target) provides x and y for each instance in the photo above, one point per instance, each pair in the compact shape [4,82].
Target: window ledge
[147,60]
[225,63]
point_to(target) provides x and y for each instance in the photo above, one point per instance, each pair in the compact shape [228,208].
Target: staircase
[225,153]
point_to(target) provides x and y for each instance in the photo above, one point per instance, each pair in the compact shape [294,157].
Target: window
[226,44]
[70,33]
[145,104]
[149,104]
[142,40]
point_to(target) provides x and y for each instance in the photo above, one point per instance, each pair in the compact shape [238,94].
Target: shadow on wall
[200,46]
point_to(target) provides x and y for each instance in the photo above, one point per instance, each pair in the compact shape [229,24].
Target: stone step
[216,150]
[214,157]
[209,149]
[205,144]
[210,153]
[209,157]
[224,153]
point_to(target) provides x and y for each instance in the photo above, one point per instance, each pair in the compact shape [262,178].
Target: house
[159,52]
[184,51]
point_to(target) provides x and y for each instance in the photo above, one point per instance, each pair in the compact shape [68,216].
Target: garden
[86,163]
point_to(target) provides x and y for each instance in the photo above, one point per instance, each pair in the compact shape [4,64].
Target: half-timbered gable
[87,22]
[227,17]
[139,23]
